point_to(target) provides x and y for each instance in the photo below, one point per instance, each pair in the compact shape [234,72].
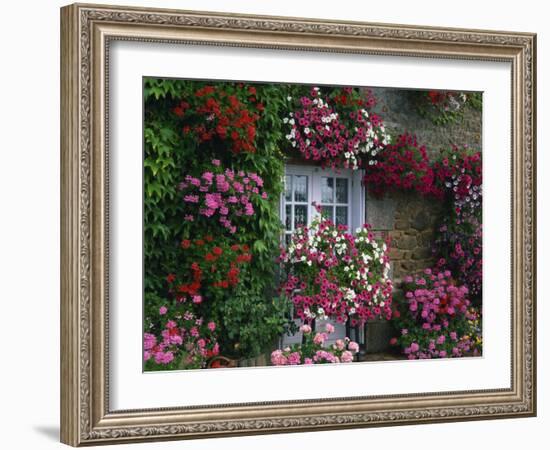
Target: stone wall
[400,114]
[410,221]
[408,218]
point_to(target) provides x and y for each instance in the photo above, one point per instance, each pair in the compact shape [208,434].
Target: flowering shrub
[213,266]
[314,351]
[435,318]
[336,130]
[459,239]
[186,342]
[332,273]
[459,247]
[459,173]
[222,113]
[402,166]
[225,195]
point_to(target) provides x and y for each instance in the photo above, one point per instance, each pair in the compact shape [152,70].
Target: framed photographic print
[277,224]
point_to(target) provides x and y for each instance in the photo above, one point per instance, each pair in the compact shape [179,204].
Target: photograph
[300,224]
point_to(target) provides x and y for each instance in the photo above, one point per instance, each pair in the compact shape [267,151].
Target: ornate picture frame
[87,31]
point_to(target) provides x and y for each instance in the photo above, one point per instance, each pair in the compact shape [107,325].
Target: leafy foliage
[171,150]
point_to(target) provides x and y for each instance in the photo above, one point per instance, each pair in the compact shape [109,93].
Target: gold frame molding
[86,31]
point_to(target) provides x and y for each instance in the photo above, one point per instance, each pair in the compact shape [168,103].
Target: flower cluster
[446,100]
[225,195]
[460,248]
[186,340]
[338,131]
[314,349]
[443,107]
[459,173]
[435,318]
[402,166]
[332,273]
[214,113]
[211,266]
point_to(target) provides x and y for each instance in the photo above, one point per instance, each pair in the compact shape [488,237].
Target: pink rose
[353,346]
[329,328]
[163,310]
[346,357]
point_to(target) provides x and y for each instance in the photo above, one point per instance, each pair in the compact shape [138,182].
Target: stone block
[381,212]
[406,243]
[421,220]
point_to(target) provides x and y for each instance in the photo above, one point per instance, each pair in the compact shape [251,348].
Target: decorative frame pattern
[86,31]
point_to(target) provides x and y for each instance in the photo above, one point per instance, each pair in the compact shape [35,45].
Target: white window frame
[357,202]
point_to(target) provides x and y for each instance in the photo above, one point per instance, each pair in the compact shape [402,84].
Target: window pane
[327,212]
[288,238]
[300,188]
[288,188]
[341,215]
[341,190]
[300,215]
[327,190]
[288,217]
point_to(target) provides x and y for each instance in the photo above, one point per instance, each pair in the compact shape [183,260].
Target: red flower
[208,238]
[217,251]
[170,278]
[251,90]
[186,243]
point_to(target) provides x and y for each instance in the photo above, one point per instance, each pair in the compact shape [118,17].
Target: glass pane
[341,215]
[300,188]
[327,190]
[341,190]
[288,238]
[288,188]
[300,215]
[288,217]
[327,212]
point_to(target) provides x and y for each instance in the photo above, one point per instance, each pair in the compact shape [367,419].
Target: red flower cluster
[403,166]
[214,113]
[212,265]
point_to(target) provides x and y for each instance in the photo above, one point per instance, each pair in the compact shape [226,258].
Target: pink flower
[346,357]
[278,359]
[306,329]
[353,346]
[320,338]
[197,299]
[294,359]
[414,347]
[329,328]
[211,326]
[308,361]
[340,344]
[216,162]
[163,310]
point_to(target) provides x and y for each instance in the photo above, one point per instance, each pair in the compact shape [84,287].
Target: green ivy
[253,316]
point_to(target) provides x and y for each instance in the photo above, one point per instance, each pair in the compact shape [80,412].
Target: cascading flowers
[224,195]
[337,130]
[332,273]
